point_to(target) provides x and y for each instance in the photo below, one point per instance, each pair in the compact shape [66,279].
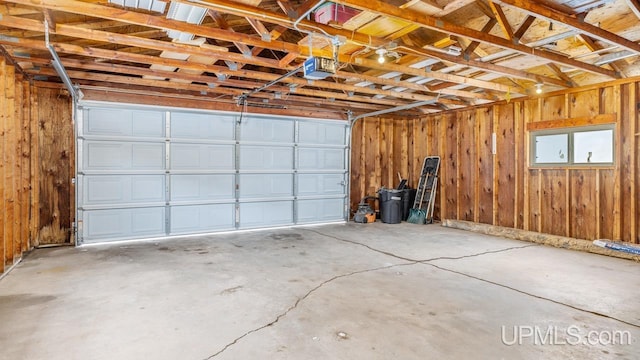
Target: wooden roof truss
[462,52]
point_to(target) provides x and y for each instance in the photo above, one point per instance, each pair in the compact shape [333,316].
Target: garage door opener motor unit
[318,68]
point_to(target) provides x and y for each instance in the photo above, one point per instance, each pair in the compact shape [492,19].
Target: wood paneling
[484,178]
[357,163]
[14,219]
[36,165]
[3,161]
[505,166]
[56,165]
[584,202]
[607,181]
[467,165]
[501,189]
[553,108]
[584,104]
[450,166]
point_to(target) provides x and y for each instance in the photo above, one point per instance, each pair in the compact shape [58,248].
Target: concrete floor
[331,292]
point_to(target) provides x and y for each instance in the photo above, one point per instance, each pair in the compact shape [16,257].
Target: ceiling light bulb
[381,53]
[538,88]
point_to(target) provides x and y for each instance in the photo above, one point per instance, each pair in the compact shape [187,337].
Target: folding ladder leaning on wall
[427,187]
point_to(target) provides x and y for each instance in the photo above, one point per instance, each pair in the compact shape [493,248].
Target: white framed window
[578,146]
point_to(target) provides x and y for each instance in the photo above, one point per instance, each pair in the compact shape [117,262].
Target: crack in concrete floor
[317,287]
[299,300]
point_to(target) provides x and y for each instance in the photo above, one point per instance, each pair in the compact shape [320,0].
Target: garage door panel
[202,126]
[266,158]
[148,188]
[106,156]
[320,184]
[202,187]
[202,218]
[321,159]
[108,122]
[267,213]
[148,221]
[147,156]
[266,185]
[119,189]
[202,157]
[102,155]
[148,123]
[112,224]
[147,172]
[119,122]
[321,133]
[267,130]
[318,210]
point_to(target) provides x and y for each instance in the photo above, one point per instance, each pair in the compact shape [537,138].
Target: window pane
[552,148]
[593,147]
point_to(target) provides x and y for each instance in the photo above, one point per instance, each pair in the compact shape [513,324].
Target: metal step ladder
[427,187]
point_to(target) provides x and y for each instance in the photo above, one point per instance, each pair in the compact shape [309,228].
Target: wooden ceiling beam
[222,23]
[158,22]
[288,9]
[17,10]
[154,21]
[522,29]
[287,59]
[493,68]
[144,95]
[264,33]
[634,5]
[593,46]
[296,11]
[258,26]
[131,70]
[109,37]
[556,69]
[144,19]
[132,80]
[366,40]
[48,16]
[100,25]
[146,59]
[410,85]
[474,44]
[441,25]
[572,22]
[502,19]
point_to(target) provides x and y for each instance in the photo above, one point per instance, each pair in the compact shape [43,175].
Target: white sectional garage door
[146,172]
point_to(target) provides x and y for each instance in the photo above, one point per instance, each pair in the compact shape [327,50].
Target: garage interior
[179,179]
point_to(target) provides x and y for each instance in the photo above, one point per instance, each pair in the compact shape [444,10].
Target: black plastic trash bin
[390,205]
[408,198]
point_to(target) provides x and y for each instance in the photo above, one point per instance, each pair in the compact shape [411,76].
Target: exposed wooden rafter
[366,40]
[522,29]
[634,5]
[432,23]
[573,22]
[502,19]
[243,44]
[155,21]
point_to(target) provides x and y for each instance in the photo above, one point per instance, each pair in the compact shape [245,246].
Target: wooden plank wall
[36,163]
[501,188]
[55,166]
[14,165]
